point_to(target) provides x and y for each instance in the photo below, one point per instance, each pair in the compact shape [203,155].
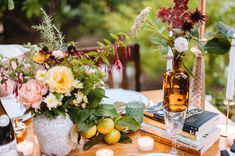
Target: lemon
[89,133]
[105,126]
[117,126]
[113,137]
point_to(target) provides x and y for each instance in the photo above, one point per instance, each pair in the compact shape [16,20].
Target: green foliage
[218,45]
[106,110]
[97,139]
[129,122]
[50,34]
[125,138]
[95,97]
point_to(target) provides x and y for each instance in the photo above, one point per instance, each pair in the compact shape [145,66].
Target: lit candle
[25,147]
[231,71]
[145,143]
[104,152]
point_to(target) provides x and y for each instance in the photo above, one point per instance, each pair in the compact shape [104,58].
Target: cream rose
[59,79]
[30,94]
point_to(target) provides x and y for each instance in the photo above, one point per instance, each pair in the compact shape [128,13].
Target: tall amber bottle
[176,86]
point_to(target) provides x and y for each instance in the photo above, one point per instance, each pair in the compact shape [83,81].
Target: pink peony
[30,94]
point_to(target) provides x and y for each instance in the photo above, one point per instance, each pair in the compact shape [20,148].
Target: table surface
[132,149]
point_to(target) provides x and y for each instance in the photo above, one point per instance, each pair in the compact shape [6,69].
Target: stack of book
[199,131]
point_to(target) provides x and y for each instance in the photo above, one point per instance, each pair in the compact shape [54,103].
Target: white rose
[181,44]
[58,54]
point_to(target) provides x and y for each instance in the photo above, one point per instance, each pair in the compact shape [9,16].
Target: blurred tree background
[88,21]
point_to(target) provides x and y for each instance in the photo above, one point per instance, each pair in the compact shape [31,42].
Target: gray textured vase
[53,135]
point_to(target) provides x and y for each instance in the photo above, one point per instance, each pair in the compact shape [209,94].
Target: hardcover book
[196,119]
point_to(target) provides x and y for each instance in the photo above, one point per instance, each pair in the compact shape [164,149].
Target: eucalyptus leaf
[218,45]
[106,110]
[129,122]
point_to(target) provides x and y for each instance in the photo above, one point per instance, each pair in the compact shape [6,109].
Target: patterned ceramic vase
[53,135]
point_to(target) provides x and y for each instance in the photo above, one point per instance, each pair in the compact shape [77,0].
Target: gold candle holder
[228,103]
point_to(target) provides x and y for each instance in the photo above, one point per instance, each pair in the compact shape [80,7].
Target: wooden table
[132,149]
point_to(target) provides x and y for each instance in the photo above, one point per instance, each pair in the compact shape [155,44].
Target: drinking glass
[174,122]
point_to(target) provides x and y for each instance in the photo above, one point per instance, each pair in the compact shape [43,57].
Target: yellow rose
[59,79]
[40,57]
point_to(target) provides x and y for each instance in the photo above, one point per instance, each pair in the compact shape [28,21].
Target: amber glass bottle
[176,87]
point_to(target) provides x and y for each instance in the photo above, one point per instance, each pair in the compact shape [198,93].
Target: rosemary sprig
[50,34]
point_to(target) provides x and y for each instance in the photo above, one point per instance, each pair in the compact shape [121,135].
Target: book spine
[189,129]
[179,145]
[162,126]
[196,144]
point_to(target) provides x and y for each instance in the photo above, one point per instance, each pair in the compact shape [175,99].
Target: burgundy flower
[187,26]
[197,16]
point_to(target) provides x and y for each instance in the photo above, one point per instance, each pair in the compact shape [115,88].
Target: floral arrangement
[175,30]
[182,26]
[55,79]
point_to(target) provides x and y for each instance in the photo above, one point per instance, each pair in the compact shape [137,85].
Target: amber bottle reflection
[176,87]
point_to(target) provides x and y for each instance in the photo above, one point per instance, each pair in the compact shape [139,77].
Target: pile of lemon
[108,127]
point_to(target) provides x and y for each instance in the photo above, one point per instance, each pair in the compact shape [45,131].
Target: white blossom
[51,101]
[77,84]
[139,20]
[41,75]
[181,44]
[79,97]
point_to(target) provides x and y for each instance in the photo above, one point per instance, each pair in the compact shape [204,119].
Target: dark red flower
[187,26]
[197,16]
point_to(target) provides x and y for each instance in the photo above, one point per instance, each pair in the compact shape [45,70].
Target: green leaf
[129,122]
[78,115]
[114,36]
[164,49]
[218,45]
[200,46]
[107,42]
[124,138]
[101,44]
[95,97]
[106,110]
[105,60]
[84,126]
[92,53]
[11,5]
[96,140]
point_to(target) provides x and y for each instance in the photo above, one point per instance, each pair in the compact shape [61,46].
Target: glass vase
[176,87]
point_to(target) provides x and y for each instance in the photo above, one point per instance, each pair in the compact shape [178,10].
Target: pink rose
[30,94]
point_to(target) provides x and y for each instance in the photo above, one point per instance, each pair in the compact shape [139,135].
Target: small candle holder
[20,130]
[224,128]
[145,143]
[104,152]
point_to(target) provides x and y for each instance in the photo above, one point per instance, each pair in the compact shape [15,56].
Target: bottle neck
[177,63]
